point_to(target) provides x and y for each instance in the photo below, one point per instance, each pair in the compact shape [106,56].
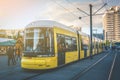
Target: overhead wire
[86,13]
[71,4]
[64,8]
[108,3]
[99,9]
[76,9]
[103,1]
[68,11]
[82,10]
[105,6]
[74,6]
[93,13]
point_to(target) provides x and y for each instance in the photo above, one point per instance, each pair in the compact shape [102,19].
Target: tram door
[61,48]
[85,53]
[97,48]
[85,50]
[61,58]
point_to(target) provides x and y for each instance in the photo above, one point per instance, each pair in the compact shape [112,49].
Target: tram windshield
[39,41]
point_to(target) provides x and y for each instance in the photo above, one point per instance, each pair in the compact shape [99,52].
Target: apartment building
[111,23]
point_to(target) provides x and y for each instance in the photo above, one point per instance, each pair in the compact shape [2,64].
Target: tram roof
[49,23]
[82,33]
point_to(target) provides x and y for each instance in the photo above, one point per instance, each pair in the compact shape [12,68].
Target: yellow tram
[49,44]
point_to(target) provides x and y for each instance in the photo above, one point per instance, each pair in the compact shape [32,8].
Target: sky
[16,14]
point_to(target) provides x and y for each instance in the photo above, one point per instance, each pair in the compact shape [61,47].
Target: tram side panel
[80,48]
[98,46]
[65,46]
[84,47]
[79,45]
[101,45]
[94,46]
[88,43]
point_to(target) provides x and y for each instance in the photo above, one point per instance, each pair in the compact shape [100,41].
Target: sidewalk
[4,63]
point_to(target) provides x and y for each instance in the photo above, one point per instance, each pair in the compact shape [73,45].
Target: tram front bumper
[37,64]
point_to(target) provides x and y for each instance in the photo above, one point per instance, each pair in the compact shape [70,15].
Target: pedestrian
[18,54]
[13,55]
[10,54]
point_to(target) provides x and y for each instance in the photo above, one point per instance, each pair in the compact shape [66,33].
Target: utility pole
[91,14]
[91,31]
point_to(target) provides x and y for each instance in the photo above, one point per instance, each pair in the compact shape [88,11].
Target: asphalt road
[70,71]
[116,69]
[99,72]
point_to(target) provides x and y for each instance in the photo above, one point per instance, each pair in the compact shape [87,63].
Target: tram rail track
[75,77]
[83,72]
[8,72]
[18,70]
[78,75]
[32,76]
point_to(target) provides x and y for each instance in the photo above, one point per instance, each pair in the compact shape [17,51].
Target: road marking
[112,66]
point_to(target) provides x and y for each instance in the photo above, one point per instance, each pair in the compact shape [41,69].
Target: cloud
[19,13]
[68,14]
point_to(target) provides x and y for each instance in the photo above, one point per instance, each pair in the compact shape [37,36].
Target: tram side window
[70,43]
[96,44]
[93,45]
[60,42]
[99,44]
[74,44]
[66,43]
[84,44]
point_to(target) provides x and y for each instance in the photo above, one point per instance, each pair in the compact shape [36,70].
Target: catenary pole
[91,14]
[90,5]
